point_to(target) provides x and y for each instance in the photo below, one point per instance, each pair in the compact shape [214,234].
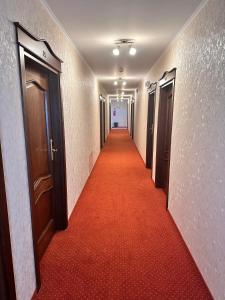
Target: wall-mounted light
[116,51]
[132,51]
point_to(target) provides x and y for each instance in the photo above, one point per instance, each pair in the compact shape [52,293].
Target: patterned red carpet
[121,243]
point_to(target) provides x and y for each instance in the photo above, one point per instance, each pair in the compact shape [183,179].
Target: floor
[121,243]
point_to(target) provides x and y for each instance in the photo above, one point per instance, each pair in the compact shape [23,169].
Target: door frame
[40,52]
[168,78]
[5,243]
[151,91]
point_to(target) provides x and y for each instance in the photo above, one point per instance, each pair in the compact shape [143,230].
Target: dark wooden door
[167,137]
[150,130]
[101,124]
[132,120]
[7,285]
[3,291]
[103,121]
[164,137]
[40,148]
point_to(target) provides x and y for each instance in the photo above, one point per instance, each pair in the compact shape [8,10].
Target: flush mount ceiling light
[121,42]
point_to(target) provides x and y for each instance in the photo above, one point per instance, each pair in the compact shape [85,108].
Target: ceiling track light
[119,81]
[121,42]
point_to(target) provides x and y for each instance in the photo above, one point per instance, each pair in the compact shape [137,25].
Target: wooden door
[103,117]
[132,120]
[165,120]
[168,111]
[101,123]
[150,130]
[40,148]
[7,285]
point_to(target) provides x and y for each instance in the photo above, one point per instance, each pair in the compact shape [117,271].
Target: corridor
[120,243]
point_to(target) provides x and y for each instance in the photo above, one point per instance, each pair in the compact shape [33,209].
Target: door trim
[39,51]
[5,243]
[167,79]
[151,90]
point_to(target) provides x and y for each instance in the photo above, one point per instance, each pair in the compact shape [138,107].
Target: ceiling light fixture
[116,51]
[124,42]
[124,83]
[132,51]
[115,83]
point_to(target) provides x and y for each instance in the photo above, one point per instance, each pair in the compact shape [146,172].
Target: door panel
[7,285]
[167,139]
[150,130]
[3,293]
[38,136]
[164,137]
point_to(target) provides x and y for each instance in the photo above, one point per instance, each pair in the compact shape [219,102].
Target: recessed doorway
[150,125]
[164,133]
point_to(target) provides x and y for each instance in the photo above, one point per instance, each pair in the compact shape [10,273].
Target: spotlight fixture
[124,42]
[132,51]
[115,83]
[116,51]
[124,83]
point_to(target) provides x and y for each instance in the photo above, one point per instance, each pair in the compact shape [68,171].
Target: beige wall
[80,94]
[197,185]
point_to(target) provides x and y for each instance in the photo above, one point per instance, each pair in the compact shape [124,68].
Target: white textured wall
[121,110]
[197,181]
[81,115]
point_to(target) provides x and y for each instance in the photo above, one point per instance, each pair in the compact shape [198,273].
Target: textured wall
[121,113]
[81,115]
[197,185]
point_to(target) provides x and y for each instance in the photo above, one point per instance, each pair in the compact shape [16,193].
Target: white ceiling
[94,25]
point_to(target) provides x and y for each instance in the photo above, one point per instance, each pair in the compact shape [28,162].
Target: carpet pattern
[121,243]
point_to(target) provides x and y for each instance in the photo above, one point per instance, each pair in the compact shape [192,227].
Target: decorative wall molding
[167,76]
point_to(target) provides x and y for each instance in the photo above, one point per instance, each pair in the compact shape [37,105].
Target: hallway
[121,243]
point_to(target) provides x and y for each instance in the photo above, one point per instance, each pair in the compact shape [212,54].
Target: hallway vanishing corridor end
[121,243]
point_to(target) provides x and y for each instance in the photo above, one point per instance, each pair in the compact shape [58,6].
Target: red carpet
[121,243]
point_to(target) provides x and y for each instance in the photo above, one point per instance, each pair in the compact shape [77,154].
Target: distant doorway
[119,114]
[165,123]
[150,126]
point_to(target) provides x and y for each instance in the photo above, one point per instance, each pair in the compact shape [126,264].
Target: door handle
[52,149]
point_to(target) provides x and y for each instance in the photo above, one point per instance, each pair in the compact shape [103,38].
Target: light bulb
[132,51]
[116,51]
[115,83]
[124,83]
